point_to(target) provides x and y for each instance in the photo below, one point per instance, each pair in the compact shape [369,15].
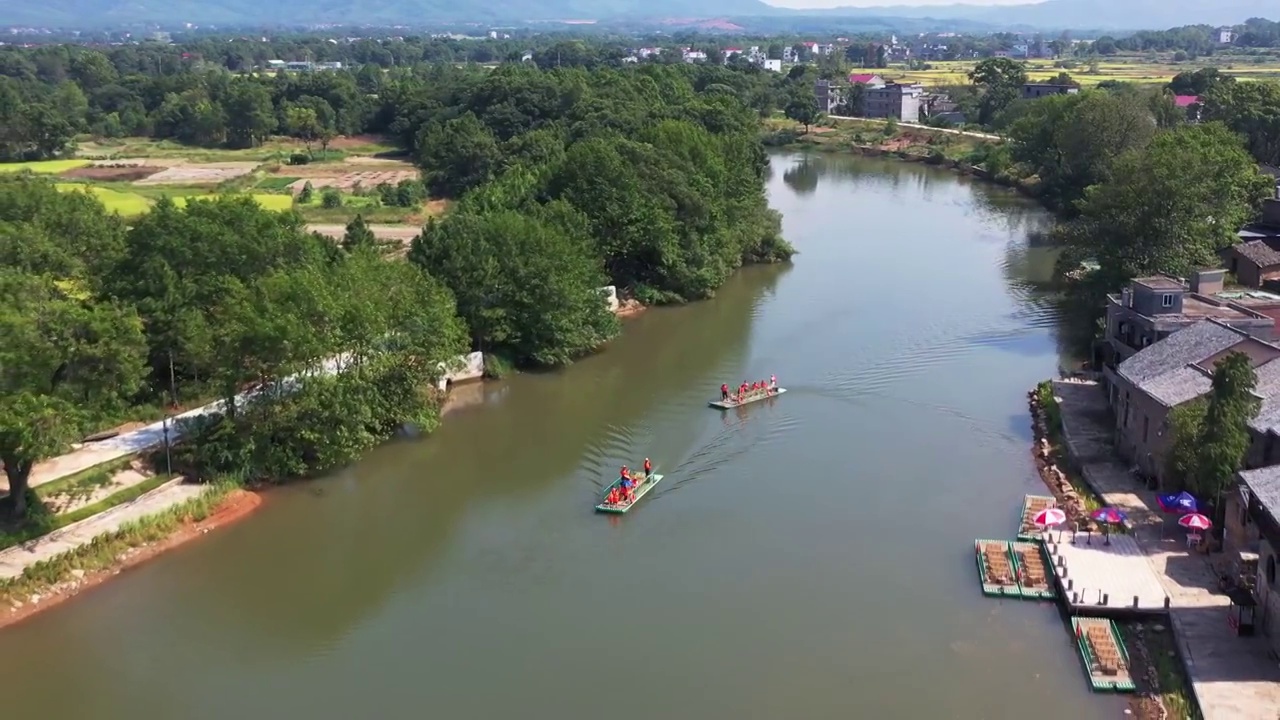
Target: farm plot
[200,174]
[346,182]
[118,171]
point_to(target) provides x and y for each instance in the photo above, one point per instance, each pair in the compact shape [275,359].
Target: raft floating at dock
[757,397]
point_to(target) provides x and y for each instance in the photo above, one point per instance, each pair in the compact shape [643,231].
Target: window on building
[1166,300]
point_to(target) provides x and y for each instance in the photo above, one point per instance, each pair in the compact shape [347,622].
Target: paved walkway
[1231,677]
[16,559]
[949,131]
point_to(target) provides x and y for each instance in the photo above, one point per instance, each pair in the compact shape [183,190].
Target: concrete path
[918,126]
[1232,677]
[88,455]
[16,559]
[400,233]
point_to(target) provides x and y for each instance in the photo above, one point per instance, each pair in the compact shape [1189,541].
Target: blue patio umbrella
[1109,515]
[1183,502]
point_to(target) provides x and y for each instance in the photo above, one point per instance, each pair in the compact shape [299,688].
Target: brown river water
[810,557]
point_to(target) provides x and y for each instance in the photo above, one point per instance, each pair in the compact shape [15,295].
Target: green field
[1133,70]
[131,204]
[44,167]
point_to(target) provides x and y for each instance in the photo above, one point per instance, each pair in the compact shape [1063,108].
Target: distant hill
[1101,14]
[1054,14]
[78,13]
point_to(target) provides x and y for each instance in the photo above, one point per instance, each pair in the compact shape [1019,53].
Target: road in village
[810,557]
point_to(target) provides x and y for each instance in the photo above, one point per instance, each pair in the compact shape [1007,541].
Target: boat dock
[1104,579]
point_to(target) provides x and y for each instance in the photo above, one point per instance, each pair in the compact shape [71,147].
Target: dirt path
[16,559]
[400,233]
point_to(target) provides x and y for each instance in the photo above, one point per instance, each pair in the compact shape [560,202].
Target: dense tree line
[566,180]
[1142,189]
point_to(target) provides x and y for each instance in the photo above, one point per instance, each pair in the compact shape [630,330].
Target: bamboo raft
[643,486]
[754,397]
[995,570]
[1031,505]
[1031,571]
[1105,659]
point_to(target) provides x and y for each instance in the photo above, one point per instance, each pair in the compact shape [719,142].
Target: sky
[888,3]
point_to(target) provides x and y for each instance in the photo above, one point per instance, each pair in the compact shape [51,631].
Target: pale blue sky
[888,3]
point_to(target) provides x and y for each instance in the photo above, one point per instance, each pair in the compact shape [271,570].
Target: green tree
[68,363]
[1222,438]
[301,122]
[358,235]
[250,114]
[802,107]
[527,286]
[457,155]
[1001,81]
[1251,109]
[1169,207]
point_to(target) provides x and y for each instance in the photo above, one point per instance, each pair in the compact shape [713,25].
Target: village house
[1031,91]
[871,80]
[1144,389]
[1191,105]
[1152,308]
[694,56]
[1255,261]
[893,100]
[830,95]
[1252,529]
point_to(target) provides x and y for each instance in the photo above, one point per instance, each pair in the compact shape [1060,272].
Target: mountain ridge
[1057,14]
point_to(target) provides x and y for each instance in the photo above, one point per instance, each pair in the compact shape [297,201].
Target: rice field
[129,204]
[44,167]
[1090,74]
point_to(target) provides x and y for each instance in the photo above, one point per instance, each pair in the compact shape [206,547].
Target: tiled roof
[1268,388]
[1185,100]
[1264,484]
[1178,386]
[1185,347]
[863,78]
[1258,252]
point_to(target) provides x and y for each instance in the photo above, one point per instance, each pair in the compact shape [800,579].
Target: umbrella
[1183,502]
[1049,516]
[1109,515]
[1195,521]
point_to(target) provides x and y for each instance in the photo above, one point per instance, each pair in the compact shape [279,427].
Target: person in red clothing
[724,392]
[648,468]
[614,497]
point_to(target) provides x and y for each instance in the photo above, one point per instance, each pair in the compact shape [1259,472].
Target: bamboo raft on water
[1031,505]
[995,569]
[1106,660]
[644,484]
[1031,570]
[747,400]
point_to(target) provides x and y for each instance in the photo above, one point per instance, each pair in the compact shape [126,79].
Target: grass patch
[44,167]
[268,202]
[104,550]
[275,182]
[125,204]
[40,521]
[1152,645]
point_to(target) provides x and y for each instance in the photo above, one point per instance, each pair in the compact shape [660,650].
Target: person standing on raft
[724,392]
[648,468]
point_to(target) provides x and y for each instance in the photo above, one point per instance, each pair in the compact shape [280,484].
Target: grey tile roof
[1178,386]
[1264,484]
[1268,387]
[1197,342]
[1258,252]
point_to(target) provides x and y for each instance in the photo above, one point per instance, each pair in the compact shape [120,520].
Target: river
[806,558]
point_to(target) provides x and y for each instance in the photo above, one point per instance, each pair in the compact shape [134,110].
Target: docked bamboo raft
[752,398]
[1105,658]
[995,570]
[1031,570]
[643,486]
[1031,506]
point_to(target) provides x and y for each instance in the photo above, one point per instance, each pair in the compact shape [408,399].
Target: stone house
[1252,528]
[1152,308]
[1255,260]
[1145,388]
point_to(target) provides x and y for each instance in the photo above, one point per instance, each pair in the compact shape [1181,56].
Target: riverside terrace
[1103,576]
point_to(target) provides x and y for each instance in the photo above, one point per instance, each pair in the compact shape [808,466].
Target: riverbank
[1221,675]
[50,582]
[967,153]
